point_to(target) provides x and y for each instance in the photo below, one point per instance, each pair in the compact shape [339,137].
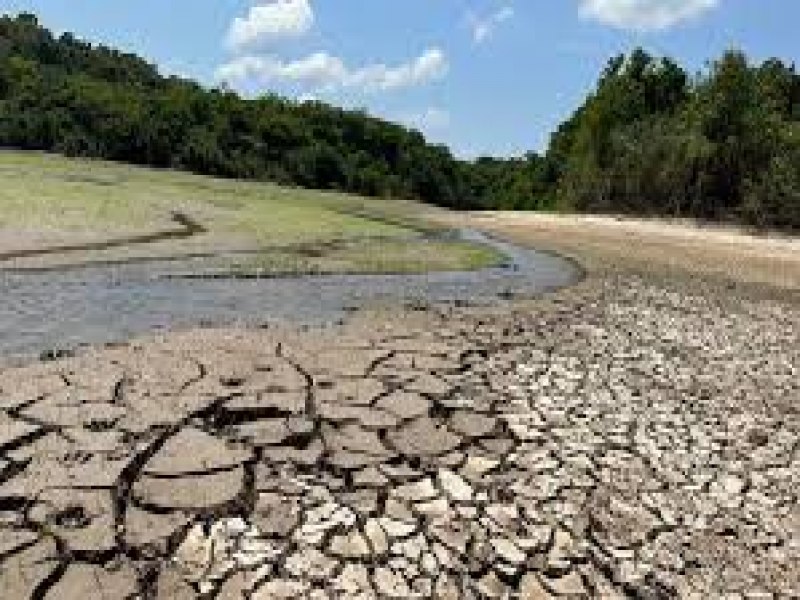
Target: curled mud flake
[195,452]
[82,581]
[83,520]
[405,405]
[24,386]
[171,585]
[253,405]
[16,432]
[91,416]
[423,437]
[31,569]
[277,515]
[153,533]
[217,491]
[13,540]
[347,392]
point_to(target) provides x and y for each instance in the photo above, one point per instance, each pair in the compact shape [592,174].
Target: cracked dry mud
[619,439]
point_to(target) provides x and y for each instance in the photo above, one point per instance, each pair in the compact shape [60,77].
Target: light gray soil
[631,436]
[623,438]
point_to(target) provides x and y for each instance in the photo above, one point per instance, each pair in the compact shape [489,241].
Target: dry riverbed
[635,435]
[673,248]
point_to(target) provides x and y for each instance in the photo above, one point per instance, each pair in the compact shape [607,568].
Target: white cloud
[483,28]
[644,15]
[318,70]
[274,20]
[323,72]
[429,120]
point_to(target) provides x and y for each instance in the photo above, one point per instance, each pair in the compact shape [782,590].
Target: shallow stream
[42,312]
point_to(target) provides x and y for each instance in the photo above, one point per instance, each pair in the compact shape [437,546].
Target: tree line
[649,140]
[64,95]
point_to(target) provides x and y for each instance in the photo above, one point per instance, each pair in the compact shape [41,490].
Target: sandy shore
[652,247]
[632,436]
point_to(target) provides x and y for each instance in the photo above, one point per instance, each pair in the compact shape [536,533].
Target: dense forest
[650,139]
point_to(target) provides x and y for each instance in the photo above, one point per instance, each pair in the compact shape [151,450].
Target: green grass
[366,256]
[52,194]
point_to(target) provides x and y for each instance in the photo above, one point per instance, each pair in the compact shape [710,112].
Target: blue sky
[483,76]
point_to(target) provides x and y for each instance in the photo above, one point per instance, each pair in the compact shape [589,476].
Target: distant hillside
[67,96]
[650,140]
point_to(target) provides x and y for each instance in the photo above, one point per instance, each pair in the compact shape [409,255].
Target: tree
[648,141]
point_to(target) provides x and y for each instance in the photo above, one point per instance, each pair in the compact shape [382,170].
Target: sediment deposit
[626,437]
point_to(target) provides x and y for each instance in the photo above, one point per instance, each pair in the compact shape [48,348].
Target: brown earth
[632,436]
[648,247]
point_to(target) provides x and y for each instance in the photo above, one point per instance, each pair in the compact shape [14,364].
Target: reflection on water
[42,311]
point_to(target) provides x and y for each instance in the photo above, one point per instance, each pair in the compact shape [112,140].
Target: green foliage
[67,96]
[771,199]
[512,184]
[650,141]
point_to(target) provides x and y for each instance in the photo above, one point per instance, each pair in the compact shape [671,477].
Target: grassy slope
[56,196]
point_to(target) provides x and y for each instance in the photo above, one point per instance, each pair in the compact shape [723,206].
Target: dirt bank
[606,244]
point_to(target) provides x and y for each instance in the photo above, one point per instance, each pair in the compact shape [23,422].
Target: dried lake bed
[634,435]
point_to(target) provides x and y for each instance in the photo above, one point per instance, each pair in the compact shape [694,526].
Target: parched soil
[682,249]
[633,436]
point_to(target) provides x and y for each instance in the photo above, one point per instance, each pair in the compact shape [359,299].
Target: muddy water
[61,310]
